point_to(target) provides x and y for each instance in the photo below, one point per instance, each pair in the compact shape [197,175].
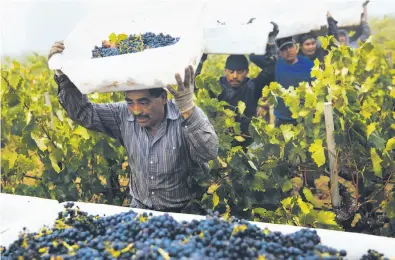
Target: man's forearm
[97,117]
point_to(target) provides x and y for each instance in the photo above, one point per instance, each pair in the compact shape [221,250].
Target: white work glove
[183,97]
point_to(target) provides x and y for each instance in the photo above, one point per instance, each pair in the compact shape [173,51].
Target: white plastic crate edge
[15,208]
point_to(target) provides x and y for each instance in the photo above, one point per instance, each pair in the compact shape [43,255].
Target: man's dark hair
[236,62]
[306,36]
[156,92]
[342,33]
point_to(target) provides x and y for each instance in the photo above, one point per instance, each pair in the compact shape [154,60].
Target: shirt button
[186,126]
[151,162]
[153,193]
[174,148]
[152,177]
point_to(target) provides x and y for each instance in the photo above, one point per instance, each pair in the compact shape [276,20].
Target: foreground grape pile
[77,235]
[134,43]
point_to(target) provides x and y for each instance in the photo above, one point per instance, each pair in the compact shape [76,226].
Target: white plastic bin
[199,24]
[147,69]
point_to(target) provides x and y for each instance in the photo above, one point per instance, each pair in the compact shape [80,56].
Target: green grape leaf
[378,141]
[229,113]
[304,207]
[287,132]
[251,163]
[370,129]
[287,202]
[82,131]
[41,142]
[376,161]
[308,194]
[326,218]
[113,38]
[390,144]
[241,107]
[28,117]
[213,187]
[317,151]
[215,200]
[287,186]
[54,163]
[239,138]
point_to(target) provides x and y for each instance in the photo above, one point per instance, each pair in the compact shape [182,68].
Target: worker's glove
[183,96]
[273,34]
[57,47]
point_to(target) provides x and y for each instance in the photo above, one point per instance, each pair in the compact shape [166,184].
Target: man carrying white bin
[166,141]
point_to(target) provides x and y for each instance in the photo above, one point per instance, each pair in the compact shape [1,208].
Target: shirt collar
[172,112]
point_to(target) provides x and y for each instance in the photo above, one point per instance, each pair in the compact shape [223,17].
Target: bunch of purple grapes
[77,235]
[135,43]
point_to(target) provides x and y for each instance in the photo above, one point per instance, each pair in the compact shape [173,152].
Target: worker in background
[165,141]
[237,86]
[309,45]
[291,69]
[362,33]
[310,48]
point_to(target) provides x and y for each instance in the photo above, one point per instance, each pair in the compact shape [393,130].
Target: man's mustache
[141,116]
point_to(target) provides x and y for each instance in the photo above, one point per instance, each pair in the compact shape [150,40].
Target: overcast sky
[33,25]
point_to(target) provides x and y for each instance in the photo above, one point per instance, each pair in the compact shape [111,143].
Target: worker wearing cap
[167,142]
[291,69]
[237,86]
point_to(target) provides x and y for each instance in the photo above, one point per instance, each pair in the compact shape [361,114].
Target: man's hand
[273,34]
[183,96]
[364,15]
[57,47]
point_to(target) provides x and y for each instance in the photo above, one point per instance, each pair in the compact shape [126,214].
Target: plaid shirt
[161,164]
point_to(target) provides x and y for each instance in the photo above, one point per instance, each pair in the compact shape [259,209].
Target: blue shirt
[291,75]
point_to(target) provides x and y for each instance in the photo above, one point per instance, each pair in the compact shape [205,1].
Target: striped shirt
[161,164]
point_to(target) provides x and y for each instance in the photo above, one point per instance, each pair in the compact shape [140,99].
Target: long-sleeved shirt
[161,164]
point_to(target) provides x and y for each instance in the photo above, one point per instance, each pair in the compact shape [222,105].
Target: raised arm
[262,61]
[363,32]
[198,131]
[332,26]
[104,118]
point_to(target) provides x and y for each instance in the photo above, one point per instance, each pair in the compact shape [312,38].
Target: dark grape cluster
[134,43]
[373,255]
[78,235]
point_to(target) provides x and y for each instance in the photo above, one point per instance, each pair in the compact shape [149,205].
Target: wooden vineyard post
[389,59]
[48,103]
[332,154]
